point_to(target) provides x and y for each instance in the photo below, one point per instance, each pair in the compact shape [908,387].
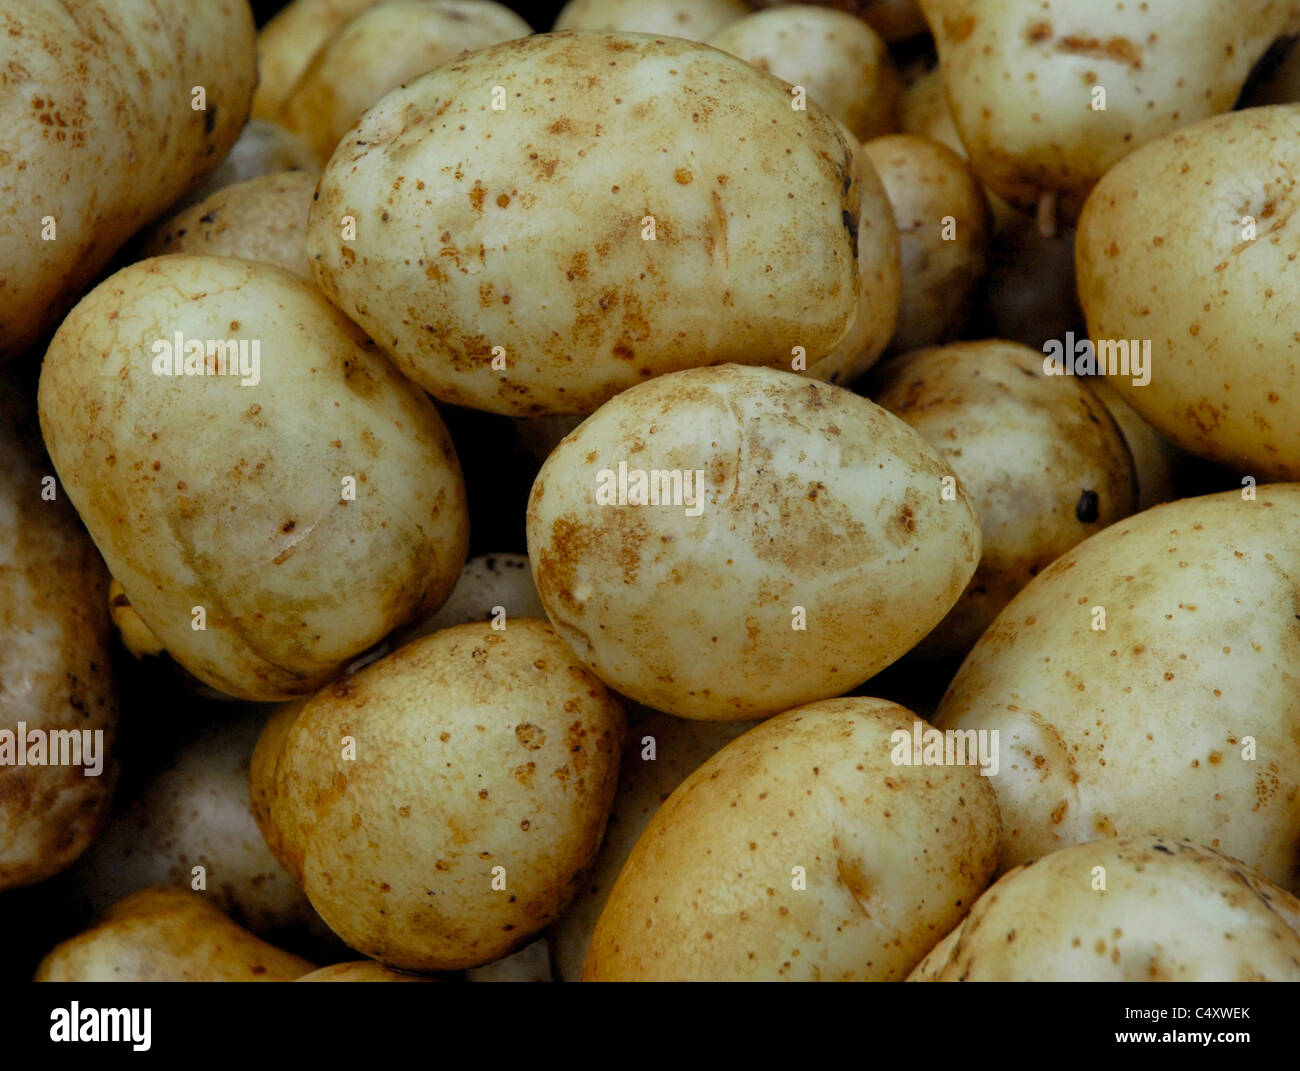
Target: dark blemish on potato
[1088,508]
[850,220]
[210,119]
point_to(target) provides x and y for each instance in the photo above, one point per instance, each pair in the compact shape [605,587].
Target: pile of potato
[703,493]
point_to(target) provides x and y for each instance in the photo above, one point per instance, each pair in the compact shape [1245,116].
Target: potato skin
[97,108]
[1160,240]
[694,20]
[522,229]
[1141,726]
[203,492]
[168,935]
[814,498]
[1171,911]
[894,855]
[475,749]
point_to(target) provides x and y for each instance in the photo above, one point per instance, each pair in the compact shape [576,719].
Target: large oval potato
[802,539]
[1145,682]
[1168,911]
[694,20]
[56,681]
[541,258]
[1188,244]
[98,134]
[800,851]
[440,805]
[306,509]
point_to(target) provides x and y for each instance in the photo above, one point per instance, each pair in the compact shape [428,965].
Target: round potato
[801,852]
[440,806]
[694,20]
[366,970]
[382,48]
[168,935]
[840,61]
[1138,909]
[263,148]
[269,523]
[1185,247]
[726,543]
[894,20]
[1043,462]
[263,219]
[558,254]
[943,228]
[1142,684]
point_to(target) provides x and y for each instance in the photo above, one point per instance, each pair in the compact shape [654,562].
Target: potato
[894,20]
[807,540]
[58,701]
[485,763]
[299,519]
[263,219]
[1164,255]
[99,134]
[661,752]
[694,20]
[366,970]
[518,234]
[943,226]
[168,935]
[1141,684]
[801,852]
[840,61]
[923,108]
[487,582]
[382,48]
[1041,458]
[1169,911]
[1154,456]
[263,148]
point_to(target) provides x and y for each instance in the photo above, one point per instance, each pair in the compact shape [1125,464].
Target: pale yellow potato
[1020,76]
[1041,458]
[694,20]
[894,20]
[201,491]
[382,48]
[661,752]
[262,148]
[261,774]
[55,674]
[923,108]
[521,231]
[817,508]
[168,935]
[1149,724]
[1164,255]
[1170,911]
[98,134]
[1154,456]
[366,970]
[892,856]
[839,60]
[943,227]
[262,219]
[481,756]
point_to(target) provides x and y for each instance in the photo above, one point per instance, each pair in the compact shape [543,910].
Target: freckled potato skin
[203,492]
[1027,447]
[1191,60]
[96,130]
[1160,256]
[695,20]
[1172,911]
[1141,727]
[893,855]
[168,935]
[522,229]
[381,49]
[54,659]
[814,497]
[474,749]
[894,20]
[366,970]
[263,219]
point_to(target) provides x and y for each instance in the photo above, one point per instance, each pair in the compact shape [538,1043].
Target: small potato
[299,512]
[695,20]
[803,544]
[840,61]
[1154,456]
[263,148]
[486,583]
[532,963]
[366,970]
[484,769]
[263,219]
[801,852]
[382,48]
[1142,683]
[1171,911]
[943,228]
[894,20]
[923,108]
[168,935]
[1043,462]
